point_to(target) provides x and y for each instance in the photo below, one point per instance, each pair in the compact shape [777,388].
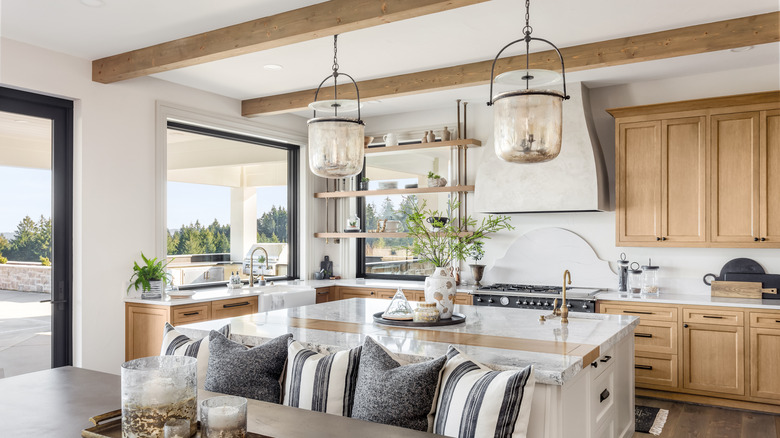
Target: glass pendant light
[528,122]
[336,143]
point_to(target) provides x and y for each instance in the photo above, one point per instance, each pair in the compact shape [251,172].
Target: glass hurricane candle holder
[155,390]
[223,417]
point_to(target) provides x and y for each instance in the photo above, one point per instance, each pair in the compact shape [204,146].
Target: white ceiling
[468,34]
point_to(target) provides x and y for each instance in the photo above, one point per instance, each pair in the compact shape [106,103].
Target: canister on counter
[650,278]
[635,279]
[622,273]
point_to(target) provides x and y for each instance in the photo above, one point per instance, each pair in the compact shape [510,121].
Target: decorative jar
[156,389]
[223,417]
[440,289]
[426,312]
[635,279]
[650,279]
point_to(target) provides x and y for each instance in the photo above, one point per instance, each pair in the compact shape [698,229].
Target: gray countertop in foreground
[556,350]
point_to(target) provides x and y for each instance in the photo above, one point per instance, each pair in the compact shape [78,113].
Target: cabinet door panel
[714,358]
[770,178]
[735,177]
[764,353]
[234,307]
[639,173]
[684,178]
[144,330]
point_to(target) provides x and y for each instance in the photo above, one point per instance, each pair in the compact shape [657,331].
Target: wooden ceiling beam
[691,40]
[304,24]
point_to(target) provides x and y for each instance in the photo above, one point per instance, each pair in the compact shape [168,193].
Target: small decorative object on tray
[426,312]
[223,417]
[156,389]
[399,308]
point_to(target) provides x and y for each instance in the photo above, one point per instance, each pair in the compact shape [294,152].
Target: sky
[190,202]
[23,192]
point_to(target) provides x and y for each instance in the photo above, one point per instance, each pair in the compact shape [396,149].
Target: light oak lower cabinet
[724,356]
[144,323]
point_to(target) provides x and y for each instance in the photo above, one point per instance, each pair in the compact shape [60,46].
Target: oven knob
[546,303]
[538,303]
[504,301]
[490,301]
[568,304]
[517,303]
[585,306]
[525,303]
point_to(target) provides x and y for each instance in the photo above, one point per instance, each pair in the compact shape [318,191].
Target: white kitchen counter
[689,299]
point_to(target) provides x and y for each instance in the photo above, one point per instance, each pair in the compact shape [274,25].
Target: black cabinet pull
[604,395]
[323,293]
[712,317]
[755,239]
[685,325]
[636,312]
[190,313]
[243,303]
[606,359]
[663,238]
[658,239]
[595,364]
[643,367]
[763,239]
[643,335]
[777,320]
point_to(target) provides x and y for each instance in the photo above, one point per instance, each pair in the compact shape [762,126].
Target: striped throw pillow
[475,401]
[177,344]
[321,383]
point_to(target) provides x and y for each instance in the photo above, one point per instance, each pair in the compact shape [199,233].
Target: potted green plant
[451,241]
[150,277]
[476,252]
[435,180]
[364,183]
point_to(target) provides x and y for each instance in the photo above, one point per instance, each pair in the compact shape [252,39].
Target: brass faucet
[563,311]
[252,265]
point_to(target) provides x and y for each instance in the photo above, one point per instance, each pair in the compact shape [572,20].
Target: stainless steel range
[525,296]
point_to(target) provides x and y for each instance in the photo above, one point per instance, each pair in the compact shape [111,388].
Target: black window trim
[293,217]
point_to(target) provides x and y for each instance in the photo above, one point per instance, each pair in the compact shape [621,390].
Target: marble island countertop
[675,297]
[499,338]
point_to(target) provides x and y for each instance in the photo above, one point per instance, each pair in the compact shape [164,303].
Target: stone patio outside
[25,332]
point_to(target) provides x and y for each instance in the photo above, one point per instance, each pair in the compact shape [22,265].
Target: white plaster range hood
[574,181]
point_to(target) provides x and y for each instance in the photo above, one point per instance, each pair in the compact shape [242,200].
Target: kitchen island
[584,370]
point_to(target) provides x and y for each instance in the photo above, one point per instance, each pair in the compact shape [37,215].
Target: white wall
[114,200]
[682,266]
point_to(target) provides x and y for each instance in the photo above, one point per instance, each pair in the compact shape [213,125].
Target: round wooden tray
[457,318]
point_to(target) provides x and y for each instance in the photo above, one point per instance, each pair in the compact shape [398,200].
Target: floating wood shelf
[363,193]
[362,235]
[469,142]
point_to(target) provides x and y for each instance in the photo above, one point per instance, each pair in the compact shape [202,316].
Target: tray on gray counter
[457,318]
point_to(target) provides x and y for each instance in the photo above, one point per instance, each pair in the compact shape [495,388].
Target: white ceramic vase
[440,289]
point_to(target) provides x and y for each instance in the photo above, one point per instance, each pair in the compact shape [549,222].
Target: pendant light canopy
[336,143]
[528,122]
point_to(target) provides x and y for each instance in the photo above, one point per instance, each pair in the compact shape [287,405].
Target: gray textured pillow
[246,372]
[390,393]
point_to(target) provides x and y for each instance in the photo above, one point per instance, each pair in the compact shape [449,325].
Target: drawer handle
[323,293]
[243,303]
[636,312]
[604,395]
[643,367]
[643,335]
[606,359]
[712,317]
[685,325]
[191,313]
[777,320]
[595,364]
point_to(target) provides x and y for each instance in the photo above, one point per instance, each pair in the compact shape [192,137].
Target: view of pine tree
[272,225]
[31,241]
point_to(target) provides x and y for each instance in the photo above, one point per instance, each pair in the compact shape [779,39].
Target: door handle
[243,303]
[604,395]
[712,317]
[643,335]
[54,302]
[636,312]
[606,359]
[643,367]
[190,313]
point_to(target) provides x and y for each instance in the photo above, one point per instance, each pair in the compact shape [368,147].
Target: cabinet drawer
[603,397]
[766,320]
[710,316]
[656,370]
[643,312]
[323,295]
[233,307]
[656,337]
[193,313]
[464,298]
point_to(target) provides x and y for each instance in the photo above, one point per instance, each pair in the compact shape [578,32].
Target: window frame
[293,205]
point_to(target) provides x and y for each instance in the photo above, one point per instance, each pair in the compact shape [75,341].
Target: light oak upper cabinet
[769,206]
[735,177]
[662,181]
[699,173]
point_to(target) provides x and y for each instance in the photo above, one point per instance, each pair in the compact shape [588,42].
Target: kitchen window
[229,195]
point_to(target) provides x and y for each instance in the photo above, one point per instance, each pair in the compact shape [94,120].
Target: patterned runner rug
[650,420]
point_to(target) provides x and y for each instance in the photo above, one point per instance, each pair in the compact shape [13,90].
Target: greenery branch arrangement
[152,270]
[448,240]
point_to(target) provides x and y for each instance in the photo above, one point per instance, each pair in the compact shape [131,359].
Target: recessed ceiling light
[273,67]
[742,49]
[93,3]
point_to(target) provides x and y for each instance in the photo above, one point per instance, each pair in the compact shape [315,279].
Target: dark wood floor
[689,420]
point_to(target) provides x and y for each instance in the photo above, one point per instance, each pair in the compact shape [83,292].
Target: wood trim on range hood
[691,40]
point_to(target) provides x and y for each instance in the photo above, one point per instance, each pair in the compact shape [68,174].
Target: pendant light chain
[335,55]
[527,29]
